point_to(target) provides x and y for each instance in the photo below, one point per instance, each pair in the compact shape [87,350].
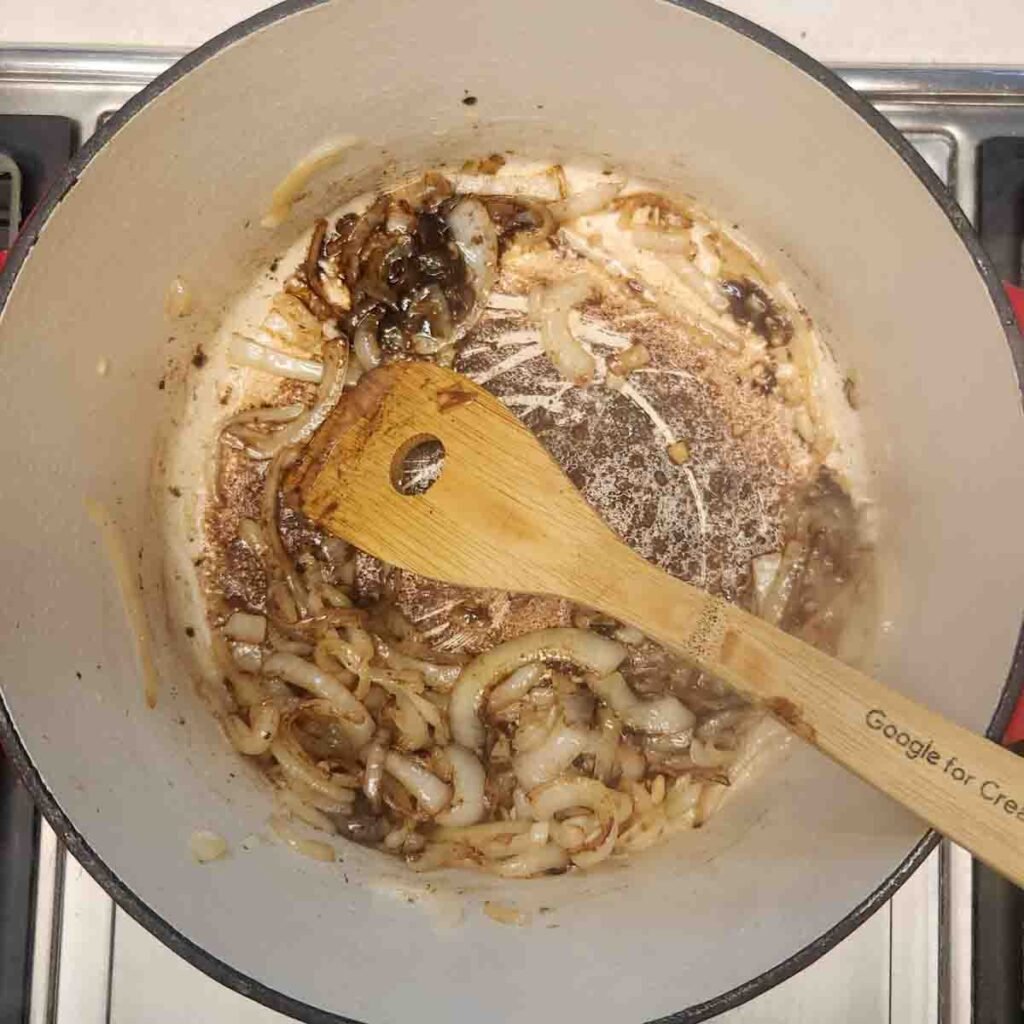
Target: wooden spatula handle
[962,784]
[502,514]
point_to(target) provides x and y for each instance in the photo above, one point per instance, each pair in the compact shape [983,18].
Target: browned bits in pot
[751,306]
[514,217]
[488,165]
[407,279]
[851,392]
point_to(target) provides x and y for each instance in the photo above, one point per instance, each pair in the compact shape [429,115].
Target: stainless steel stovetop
[912,963]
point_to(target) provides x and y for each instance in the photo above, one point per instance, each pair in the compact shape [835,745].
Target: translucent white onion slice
[244,351]
[468,778]
[589,651]
[430,792]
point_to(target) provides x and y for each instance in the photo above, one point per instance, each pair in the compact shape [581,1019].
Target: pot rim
[242,983]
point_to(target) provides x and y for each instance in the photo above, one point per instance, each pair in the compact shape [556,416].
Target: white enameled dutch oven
[176,183]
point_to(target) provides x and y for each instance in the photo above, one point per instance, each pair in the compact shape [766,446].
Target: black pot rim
[213,966]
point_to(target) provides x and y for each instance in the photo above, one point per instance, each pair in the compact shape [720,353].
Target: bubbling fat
[684,391]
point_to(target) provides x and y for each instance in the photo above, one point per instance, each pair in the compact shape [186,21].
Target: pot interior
[96,376]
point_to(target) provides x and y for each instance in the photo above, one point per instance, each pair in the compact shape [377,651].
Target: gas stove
[945,950]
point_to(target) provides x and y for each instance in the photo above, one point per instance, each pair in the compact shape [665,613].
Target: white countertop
[865,31]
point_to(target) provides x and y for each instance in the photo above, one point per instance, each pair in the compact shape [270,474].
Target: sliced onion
[614,691]
[240,426]
[550,307]
[578,707]
[255,738]
[607,836]
[468,779]
[353,373]
[297,765]
[505,913]
[178,302]
[296,181]
[505,845]
[354,718]
[411,729]
[564,794]
[342,651]
[582,204]
[705,754]
[250,629]
[561,295]
[393,684]
[787,577]
[432,795]
[248,657]
[312,848]
[312,816]
[248,689]
[333,596]
[663,240]
[517,686]
[474,233]
[643,833]
[537,725]
[374,769]
[447,855]
[244,351]
[521,805]
[572,833]
[629,635]
[589,651]
[206,846]
[610,807]
[540,832]
[538,187]
[727,720]
[294,323]
[480,835]
[361,641]
[335,291]
[711,796]
[321,802]
[631,764]
[670,282]
[682,797]
[656,209]
[548,760]
[607,746]
[397,837]
[622,364]
[537,860]
[706,288]
[303,427]
[440,677]
[659,716]
[286,586]
[707,260]
[364,343]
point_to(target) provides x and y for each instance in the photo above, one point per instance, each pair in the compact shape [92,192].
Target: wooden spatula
[503,515]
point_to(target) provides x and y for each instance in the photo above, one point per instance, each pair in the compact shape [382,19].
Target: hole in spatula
[417,465]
